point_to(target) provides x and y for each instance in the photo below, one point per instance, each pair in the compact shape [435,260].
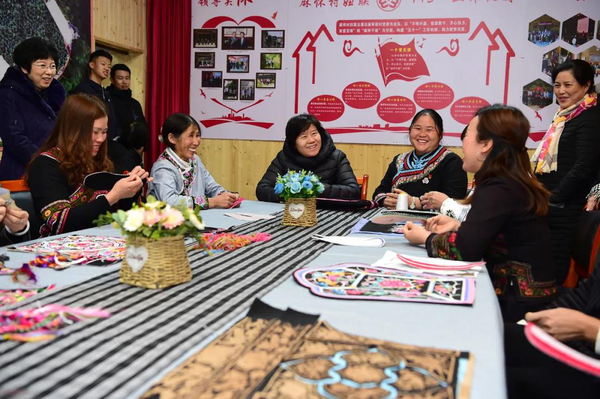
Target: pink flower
[171,218]
[151,217]
[394,283]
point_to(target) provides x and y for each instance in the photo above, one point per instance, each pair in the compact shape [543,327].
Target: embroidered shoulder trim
[406,175]
[52,153]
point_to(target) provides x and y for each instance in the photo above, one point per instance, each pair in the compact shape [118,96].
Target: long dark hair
[72,134]
[508,129]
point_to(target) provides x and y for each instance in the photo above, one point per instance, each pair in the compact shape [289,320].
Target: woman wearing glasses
[30,99]
[428,167]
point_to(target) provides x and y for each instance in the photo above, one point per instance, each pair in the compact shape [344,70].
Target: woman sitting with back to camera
[429,167]
[179,174]
[309,147]
[505,225]
[75,149]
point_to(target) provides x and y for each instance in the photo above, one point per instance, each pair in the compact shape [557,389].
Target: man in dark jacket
[99,64]
[30,99]
[127,109]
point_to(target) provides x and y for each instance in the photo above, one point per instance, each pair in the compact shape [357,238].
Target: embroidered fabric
[528,287]
[412,168]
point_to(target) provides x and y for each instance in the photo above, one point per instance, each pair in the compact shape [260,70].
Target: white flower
[135,218]
[194,219]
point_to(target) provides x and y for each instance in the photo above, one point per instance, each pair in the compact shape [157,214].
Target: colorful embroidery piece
[40,324]
[10,297]
[231,241]
[362,281]
[74,247]
[277,354]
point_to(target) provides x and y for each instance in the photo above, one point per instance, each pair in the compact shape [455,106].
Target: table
[95,359]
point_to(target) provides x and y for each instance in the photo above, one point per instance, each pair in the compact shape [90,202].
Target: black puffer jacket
[330,164]
[578,161]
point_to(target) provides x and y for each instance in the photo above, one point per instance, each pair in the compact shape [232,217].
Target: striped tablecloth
[151,329]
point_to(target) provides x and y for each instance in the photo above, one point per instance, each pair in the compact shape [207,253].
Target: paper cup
[402,204]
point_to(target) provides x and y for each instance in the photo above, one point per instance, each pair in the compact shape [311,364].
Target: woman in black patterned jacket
[567,160]
[309,147]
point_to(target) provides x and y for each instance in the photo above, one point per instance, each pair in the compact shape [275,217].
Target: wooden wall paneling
[120,26]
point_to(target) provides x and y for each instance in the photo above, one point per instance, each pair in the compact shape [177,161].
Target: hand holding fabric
[223,200]
[566,324]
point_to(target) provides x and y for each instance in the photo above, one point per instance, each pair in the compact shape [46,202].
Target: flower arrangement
[301,184]
[156,219]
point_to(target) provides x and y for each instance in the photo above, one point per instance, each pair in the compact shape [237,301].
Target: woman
[179,174]
[567,161]
[505,225]
[75,149]
[574,318]
[309,147]
[30,99]
[429,167]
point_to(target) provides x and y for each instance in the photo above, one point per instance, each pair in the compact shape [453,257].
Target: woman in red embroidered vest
[505,225]
[76,148]
[429,167]
[567,161]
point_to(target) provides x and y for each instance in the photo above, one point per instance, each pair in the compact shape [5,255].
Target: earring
[477,157]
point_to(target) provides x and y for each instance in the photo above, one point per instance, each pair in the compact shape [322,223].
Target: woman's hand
[592,204]
[15,218]
[141,173]
[566,324]
[390,200]
[441,224]
[415,234]
[127,187]
[433,200]
[3,209]
[223,200]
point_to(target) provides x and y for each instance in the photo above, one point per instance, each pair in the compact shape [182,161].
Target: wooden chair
[19,192]
[363,184]
[586,244]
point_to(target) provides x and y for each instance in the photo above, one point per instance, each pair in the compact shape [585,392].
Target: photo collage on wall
[240,45]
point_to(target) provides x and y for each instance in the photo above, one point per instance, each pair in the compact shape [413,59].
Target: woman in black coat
[567,160]
[30,99]
[309,147]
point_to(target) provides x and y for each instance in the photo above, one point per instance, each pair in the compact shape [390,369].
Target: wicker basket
[300,212]
[155,263]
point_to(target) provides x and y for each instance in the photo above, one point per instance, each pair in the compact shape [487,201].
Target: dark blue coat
[26,119]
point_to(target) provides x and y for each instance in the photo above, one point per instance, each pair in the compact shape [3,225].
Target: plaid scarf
[545,158]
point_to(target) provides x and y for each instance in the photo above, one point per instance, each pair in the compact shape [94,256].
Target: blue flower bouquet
[299,190]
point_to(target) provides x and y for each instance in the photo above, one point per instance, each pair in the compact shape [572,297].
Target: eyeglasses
[52,67]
